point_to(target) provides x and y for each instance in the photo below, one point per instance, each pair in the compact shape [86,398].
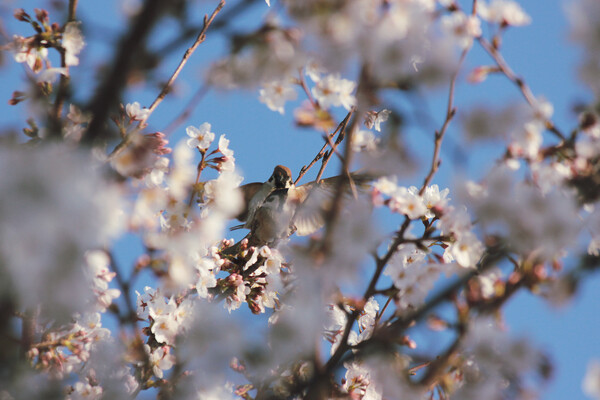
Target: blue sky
[541,53]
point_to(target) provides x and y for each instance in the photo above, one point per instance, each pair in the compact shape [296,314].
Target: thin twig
[199,39]
[439,135]
[336,206]
[63,83]
[108,93]
[340,127]
[333,150]
[125,289]
[199,169]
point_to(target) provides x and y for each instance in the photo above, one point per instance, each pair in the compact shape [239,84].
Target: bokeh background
[541,53]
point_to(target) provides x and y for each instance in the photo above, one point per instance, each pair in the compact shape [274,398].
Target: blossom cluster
[370,299]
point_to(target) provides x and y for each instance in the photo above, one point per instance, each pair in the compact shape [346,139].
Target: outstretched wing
[314,200]
[248,191]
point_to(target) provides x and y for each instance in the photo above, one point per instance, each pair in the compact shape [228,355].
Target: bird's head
[281,177]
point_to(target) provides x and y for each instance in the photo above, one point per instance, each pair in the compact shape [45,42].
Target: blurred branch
[72,9]
[340,128]
[125,286]
[340,138]
[226,17]
[63,85]
[199,39]
[108,92]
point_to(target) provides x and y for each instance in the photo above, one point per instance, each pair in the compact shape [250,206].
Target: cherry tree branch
[63,85]
[199,40]
[439,135]
[108,93]
[321,154]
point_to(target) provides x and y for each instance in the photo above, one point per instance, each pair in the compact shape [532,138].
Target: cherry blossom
[136,112]
[200,137]
[332,90]
[72,42]
[591,381]
[506,12]
[276,93]
[463,27]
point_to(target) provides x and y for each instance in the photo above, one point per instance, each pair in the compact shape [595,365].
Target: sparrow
[272,220]
[256,193]
[276,209]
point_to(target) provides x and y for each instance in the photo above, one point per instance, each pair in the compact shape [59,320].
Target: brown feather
[248,191]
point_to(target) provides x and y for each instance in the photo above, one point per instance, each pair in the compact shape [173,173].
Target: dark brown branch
[340,128]
[108,93]
[125,287]
[63,85]
[439,135]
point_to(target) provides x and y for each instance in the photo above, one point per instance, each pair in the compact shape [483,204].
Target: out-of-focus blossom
[506,12]
[364,140]
[276,93]
[156,176]
[492,359]
[534,224]
[33,57]
[484,123]
[182,176]
[56,205]
[72,42]
[584,16]
[465,249]
[332,90]
[373,119]
[314,70]
[200,137]
[139,155]
[549,176]
[269,54]
[85,391]
[309,115]
[527,136]
[136,112]
[50,75]
[100,275]
[223,194]
[463,28]
[591,381]
[412,275]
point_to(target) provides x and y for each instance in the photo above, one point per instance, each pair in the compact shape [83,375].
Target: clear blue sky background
[541,53]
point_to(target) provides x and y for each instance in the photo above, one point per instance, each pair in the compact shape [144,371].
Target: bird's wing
[314,200]
[248,191]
